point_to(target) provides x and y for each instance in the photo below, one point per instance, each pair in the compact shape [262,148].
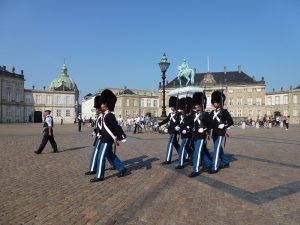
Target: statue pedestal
[185,91]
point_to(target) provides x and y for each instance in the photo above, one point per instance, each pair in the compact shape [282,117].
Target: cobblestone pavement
[262,185]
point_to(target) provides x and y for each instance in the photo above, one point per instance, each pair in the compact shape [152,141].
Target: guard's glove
[156,126]
[177,128]
[187,127]
[221,126]
[201,130]
[166,130]
[93,134]
[124,140]
[183,132]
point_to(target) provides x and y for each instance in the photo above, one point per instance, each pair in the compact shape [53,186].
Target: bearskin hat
[97,101]
[172,101]
[189,104]
[218,96]
[181,104]
[198,98]
[109,98]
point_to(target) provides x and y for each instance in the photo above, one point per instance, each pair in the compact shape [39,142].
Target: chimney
[159,84]
[281,89]
[33,87]
[273,89]
[44,88]
[225,69]
[13,69]
[239,69]
[4,68]
[262,79]
[22,72]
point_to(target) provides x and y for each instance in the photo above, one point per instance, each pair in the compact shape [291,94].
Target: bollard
[257,125]
[243,125]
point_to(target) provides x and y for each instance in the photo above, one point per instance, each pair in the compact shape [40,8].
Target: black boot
[194,174]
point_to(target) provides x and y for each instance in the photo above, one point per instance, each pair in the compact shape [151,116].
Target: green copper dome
[64,82]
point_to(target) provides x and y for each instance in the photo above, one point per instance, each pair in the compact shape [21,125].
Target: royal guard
[185,129]
[111,133]
[173,120]
[201,126]
[97,135]
[221,122]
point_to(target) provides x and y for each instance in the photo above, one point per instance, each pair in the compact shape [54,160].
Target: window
[154,103]
[239,113]
[231,101]
[127,102]
[231,111]
[8,94]
[68,100]
[134,113]
[68,113]
[155,113]
[58,112]
[268,112]
[285,112]
[208,101]
[148,102]
[250,113]
[258,90]
[17,95]
[249,101]
[48,100]
[269,100]
[239,101]
[277,100]
[28,99]
[230,91]
[249,89]
[295,99]
[295,112]
[58,99]
[134,102]
[259,112]
[258,101]
[285,99]
[142,102]
[38,99]
[126,113]
[18,112]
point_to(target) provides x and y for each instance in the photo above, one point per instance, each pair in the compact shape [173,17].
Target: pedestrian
[286,122]
[221,122]
[61,120]
[111,133]
[128,123]
[79,122]
[47,133]
[173,120]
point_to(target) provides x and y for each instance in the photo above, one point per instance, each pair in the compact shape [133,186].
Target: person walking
[47,133]
[79,122]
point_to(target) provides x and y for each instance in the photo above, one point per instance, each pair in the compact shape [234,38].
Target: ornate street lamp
[164,65]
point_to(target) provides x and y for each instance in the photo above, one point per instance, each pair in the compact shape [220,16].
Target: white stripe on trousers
[217,153]
[101,160]
[94,157]
[199,156]
[182,153]
[170,147]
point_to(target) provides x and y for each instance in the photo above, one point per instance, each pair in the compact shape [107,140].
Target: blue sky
[119,42]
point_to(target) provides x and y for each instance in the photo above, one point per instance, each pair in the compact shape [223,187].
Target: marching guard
[97,134]
[201,125]
[221,122]
[185,129]
[173,120]
[111,133]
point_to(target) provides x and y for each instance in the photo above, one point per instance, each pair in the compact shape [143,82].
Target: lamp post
[164,65]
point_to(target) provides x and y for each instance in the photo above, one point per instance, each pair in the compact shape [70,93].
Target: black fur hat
[189,104]
[197,98]
[97,101]
[172,101]
[181,104]
[218,96]
[109,98]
